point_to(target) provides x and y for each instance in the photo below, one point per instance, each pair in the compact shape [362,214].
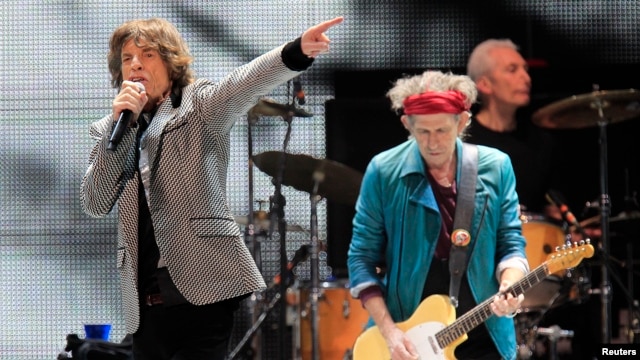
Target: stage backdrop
[57,265]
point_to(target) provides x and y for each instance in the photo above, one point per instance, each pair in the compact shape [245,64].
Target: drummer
[503,83]
[502,78]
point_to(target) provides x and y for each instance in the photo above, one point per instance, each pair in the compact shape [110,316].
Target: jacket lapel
[165,116]
[413,172]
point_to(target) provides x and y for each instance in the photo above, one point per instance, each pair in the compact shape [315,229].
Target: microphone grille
[140,87]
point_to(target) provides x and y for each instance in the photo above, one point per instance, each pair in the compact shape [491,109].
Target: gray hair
[431,81]
[480,62]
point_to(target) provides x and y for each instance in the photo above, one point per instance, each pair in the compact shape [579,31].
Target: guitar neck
[482,312]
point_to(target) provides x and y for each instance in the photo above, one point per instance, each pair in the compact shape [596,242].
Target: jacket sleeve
[369,240]
[106,175]
[510,243]
[241,89]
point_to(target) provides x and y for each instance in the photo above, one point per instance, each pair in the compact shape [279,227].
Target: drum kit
[327,308]
[598,108]
[322,308]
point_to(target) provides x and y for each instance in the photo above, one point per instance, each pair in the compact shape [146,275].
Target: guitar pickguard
[423,336]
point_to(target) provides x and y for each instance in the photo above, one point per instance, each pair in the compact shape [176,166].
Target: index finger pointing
[324,26]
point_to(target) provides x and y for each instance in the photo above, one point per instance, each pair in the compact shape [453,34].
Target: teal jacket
[397,223]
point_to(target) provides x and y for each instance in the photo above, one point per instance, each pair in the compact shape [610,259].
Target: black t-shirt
[479,344]
[531,149]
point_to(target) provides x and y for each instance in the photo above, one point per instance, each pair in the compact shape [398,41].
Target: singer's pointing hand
[129,98]
[314,41]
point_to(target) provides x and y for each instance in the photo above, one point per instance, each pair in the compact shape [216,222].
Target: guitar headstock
[569,257]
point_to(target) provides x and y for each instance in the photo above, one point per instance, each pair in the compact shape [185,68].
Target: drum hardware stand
[255,327]
[634,308]
[631,205]
[276,212]
[254,247]
[318,177]
[634,326]
[553,333]
[284,282]
[633,304]
[605,210]
[526,326]
[250,228]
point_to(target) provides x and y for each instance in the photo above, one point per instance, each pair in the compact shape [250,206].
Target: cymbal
[267,107]
[337,182]
[627,223]
[623,217]
[580,111]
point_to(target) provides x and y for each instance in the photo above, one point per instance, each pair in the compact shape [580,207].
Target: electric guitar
[433,327]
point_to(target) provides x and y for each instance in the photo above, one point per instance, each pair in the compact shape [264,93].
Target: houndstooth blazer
[188,149]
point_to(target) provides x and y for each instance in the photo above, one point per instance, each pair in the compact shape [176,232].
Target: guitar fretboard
[480,313]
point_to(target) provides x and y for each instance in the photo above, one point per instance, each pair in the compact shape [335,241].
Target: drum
[544,295]
[341,319]
[542,239]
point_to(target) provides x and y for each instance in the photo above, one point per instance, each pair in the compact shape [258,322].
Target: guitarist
[405,214]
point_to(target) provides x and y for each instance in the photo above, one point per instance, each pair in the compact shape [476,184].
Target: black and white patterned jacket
[188,149]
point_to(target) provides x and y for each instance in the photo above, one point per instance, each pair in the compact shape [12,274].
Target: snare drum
[341,319]
[542,238]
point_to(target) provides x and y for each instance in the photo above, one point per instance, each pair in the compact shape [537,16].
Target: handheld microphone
[297,90]
[121,125]
[554,199]
[301,255]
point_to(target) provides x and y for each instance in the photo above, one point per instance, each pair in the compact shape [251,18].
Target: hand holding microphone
[126,97]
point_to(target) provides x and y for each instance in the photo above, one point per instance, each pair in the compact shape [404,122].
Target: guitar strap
[465,204]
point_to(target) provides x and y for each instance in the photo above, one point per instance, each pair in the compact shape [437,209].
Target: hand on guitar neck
[507,303]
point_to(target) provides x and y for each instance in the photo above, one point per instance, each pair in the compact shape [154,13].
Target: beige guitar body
[432,315]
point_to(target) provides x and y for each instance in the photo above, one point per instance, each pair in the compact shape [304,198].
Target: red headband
[432,102]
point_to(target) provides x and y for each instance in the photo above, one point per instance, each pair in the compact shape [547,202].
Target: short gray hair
[480,62]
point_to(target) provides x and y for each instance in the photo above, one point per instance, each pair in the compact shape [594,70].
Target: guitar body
[432,315]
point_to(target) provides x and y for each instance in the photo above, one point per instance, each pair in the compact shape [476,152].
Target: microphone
[301,255]
[121,125]
[297,90]
[554,199]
